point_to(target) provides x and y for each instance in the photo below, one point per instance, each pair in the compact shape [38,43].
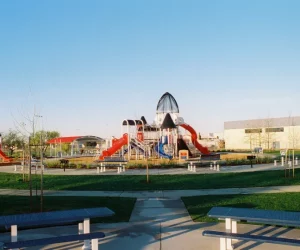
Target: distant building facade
[269,133]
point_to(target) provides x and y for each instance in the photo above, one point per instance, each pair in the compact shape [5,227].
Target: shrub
[52,164]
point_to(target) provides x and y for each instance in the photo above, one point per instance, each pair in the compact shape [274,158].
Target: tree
[294,135]
[39,138]
[254,134]
[268,136]
[13,140]
[66,147]
[250,138]
[45,135]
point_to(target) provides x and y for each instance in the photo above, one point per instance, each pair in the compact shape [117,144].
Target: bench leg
[98,171]
[94,244]
[234,228]
[222,243]
[80,228]
[86,230]
[195,168]
[228,224]
[14,234]
[123,168]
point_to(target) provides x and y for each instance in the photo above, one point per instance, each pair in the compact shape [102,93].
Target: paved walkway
[156,171]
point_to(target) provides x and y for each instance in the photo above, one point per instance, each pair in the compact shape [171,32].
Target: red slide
[4,156]
[202,149]
[119,143]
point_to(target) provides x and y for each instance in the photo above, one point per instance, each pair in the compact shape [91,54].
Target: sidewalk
[152,171]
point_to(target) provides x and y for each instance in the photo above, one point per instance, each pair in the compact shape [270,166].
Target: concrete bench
[249,237]
[60,218]
[54,240]
[269,217]
[34,166]
[214,166]
[118,162]
[192,165]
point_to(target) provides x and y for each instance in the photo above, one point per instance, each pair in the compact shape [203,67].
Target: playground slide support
[202,149]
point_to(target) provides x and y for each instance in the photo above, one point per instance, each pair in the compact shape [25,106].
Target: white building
[269,133]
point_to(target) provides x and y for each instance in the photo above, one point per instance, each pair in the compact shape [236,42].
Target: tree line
[13,140]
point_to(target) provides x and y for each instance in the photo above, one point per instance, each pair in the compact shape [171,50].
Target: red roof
[68,139]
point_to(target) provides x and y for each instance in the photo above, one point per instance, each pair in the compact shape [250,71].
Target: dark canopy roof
[168,122]
[132,122]
[167,104]
[144,120]
[149,128]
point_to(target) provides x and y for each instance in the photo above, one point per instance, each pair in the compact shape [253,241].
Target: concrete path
[157,171]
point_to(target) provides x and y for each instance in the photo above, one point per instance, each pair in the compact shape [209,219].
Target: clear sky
[87,65]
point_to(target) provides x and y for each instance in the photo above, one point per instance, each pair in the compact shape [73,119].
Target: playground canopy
[167,104]
[132,122]
[168,122]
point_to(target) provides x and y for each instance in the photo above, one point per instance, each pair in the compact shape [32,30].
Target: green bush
[52,164]
[235,162]
[72,165]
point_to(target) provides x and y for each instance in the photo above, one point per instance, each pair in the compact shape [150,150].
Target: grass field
[277,152]
[21,204]
[157,182]
[199,206]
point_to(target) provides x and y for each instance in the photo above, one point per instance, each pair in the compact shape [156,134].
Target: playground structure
[164,138]
[161,139]
[3,156]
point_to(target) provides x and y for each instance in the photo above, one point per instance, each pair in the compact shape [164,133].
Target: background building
[269,133]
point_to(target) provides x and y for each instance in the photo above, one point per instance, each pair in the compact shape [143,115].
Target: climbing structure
[162,138]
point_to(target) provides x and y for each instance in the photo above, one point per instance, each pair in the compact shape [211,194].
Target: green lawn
[157,182]
[277,152]
[21,204]
[199,206]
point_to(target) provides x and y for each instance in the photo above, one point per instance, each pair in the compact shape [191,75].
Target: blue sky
[87,65]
